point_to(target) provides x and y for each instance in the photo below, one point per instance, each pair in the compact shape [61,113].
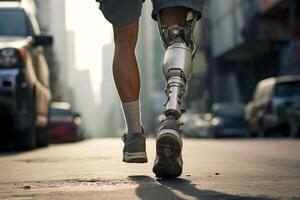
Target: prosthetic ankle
[177,64]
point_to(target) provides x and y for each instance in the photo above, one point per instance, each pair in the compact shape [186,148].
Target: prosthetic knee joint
[177,64]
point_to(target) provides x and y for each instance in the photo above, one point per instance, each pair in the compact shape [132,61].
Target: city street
[226,73]
[214,169]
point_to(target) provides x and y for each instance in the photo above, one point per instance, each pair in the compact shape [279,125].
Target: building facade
[251,41]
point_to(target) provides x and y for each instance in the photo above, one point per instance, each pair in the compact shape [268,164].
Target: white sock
[132,116]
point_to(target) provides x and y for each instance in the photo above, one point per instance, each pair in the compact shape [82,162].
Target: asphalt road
[214,169]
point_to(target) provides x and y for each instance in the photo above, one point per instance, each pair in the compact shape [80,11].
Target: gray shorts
[125,12]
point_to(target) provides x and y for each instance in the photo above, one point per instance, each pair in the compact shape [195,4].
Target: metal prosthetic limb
[177,64]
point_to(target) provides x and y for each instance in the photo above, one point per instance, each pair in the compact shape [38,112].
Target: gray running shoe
[168,162]
[134,150]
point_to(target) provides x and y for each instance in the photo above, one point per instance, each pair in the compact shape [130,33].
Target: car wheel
[211,134]
[261,131]
[253,133]
[26,140]
[215,135]
[293,132]
[42,137]
[248,134]
[261,134]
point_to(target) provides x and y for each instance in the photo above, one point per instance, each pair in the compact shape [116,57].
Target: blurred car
[294,119]
[24,77]
[65,124]
[269,109]
[227,120]
[195,125]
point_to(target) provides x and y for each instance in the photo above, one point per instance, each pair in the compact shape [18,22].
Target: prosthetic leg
[177,69]
[177,64]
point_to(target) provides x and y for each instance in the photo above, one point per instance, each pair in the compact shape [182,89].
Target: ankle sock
[132,116]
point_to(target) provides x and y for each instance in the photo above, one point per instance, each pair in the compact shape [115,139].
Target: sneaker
[168,162]
[134,150]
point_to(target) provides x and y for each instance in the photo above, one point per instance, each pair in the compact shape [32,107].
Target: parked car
[24,77]
[270,108]
[65,124]
[195,125]
[227,120]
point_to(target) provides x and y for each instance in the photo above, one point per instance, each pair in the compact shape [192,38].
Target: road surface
[214,169]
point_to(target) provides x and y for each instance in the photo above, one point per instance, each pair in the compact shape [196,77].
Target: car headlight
[198,122]
[216,121]
[10,57]
[77,120]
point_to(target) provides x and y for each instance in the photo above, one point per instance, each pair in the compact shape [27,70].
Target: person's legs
[125,68]
[124,16]
[126,74]
[127,80]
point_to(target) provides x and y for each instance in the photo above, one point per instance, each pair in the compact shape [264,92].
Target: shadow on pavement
[11,152]
[149,188]
[6,151]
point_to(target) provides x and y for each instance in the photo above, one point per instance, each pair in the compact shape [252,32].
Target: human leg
[126,74]
[124,17]
[174,15]
[127,80]
[125,68]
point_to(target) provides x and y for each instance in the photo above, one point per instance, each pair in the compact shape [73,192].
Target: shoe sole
[168,148]
[139,157]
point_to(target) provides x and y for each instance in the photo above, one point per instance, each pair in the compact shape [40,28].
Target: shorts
[125,12]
